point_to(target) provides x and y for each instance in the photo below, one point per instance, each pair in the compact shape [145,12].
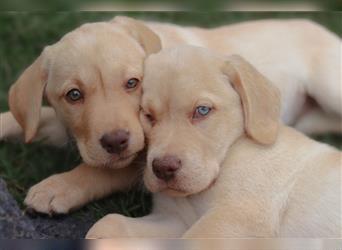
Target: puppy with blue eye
[91,79]
[220,162]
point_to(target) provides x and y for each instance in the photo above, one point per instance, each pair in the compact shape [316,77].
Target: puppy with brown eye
[104,61]
[235,172]
[93,89]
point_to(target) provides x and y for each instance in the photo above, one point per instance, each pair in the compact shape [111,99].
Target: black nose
[166,167]
[115,142]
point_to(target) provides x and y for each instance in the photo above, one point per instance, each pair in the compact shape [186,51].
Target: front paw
[110,226]
[54,195]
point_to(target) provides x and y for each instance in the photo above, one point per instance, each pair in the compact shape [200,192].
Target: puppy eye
[74,95]
[132,83]
[147,116]
[150,118]
[201,111]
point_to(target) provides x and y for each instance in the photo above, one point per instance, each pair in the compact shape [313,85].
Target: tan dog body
[263,195]
[289,53]
[291,189]
[242,174]
[100,57]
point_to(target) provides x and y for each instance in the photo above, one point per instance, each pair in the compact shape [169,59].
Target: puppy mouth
[121,159]
[172,189]
[127,157]
[93,157]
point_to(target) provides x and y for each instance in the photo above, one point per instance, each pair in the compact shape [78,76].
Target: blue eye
[74,95]
[201,111]
[132,83]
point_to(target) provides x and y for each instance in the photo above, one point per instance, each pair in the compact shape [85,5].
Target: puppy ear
[260,99]
[149,40]
[26,96]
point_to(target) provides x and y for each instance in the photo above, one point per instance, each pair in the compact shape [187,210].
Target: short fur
[299,56]
[231,183]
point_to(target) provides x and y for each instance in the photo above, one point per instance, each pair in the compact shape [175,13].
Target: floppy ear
[260,99]
[149,40]
[26,96]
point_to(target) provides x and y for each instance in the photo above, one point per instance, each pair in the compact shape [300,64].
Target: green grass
[187,5]
[24,35]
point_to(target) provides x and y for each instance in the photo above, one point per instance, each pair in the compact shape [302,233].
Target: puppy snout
[166,167]
[115,142]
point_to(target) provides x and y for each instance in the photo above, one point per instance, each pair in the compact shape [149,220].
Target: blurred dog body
[99,61]
[222,163]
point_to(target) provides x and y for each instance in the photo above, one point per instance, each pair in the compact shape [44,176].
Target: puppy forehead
[180,65]
[95,49]
[98,41]
[182,75]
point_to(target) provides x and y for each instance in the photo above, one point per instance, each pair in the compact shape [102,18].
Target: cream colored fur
[299,56]
[231,183]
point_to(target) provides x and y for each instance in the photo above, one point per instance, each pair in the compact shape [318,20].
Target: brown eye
[201,111]
[74,95]
[132,83]
[150,118]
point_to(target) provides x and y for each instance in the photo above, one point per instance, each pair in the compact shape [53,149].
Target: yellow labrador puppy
[91,78]
[223,163]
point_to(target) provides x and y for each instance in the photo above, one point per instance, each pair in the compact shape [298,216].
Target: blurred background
[158,5]
[24,35]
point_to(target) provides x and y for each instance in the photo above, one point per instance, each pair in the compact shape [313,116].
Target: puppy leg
[325,84]
[227,221]
[51,131]
[9,127]
[155,225]
[61,193]
[316,121]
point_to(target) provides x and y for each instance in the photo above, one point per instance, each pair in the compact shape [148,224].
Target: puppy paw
[110,226]
[54,195]
[9,128]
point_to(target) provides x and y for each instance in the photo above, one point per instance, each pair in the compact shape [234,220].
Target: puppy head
[194,107]
[92,79]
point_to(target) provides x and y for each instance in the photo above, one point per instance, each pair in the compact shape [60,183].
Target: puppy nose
[115,142]
[166,167]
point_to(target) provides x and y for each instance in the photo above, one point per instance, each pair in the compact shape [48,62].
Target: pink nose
[166,167]
[115,142]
